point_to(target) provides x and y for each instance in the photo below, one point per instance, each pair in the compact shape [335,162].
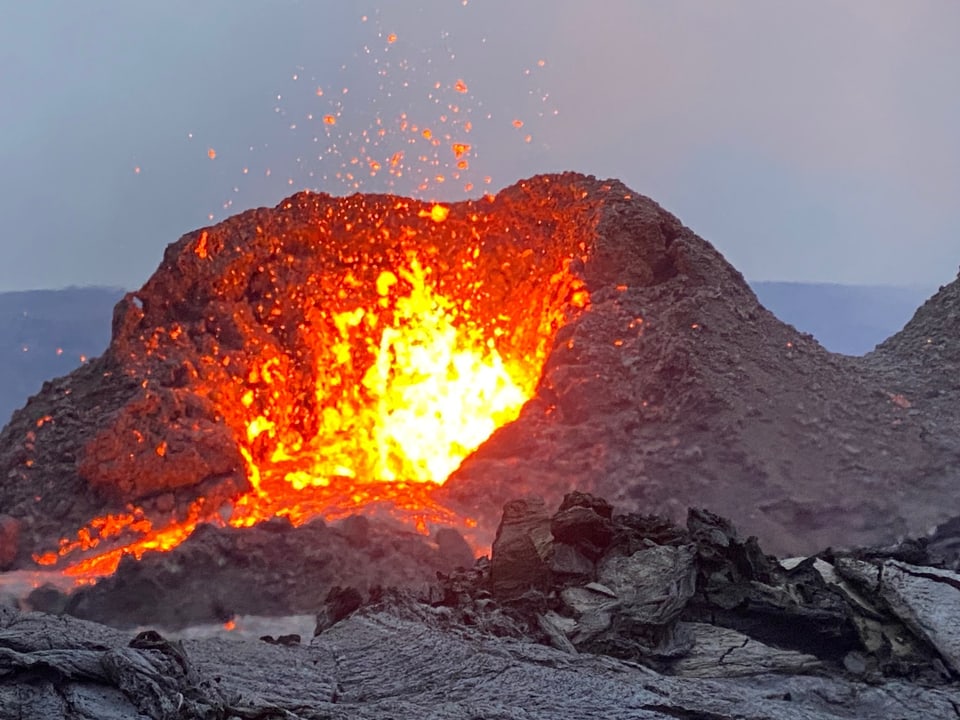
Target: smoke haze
[810,142]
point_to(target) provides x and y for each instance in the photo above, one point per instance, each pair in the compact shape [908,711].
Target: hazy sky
[810,141]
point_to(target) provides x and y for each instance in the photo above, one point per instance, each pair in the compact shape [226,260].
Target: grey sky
[807,141]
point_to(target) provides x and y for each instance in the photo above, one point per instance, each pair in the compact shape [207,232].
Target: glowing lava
[432,389]
[359,387]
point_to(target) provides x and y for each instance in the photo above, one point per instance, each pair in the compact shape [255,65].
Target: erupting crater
[331,356]
[426,363]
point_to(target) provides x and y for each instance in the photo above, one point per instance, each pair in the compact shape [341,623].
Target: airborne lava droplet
[438,213]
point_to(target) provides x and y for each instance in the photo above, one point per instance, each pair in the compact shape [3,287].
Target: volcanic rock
[583,528]
[178,447]
[930,341]
[521,549]
[454,551]
[942,547]
[339,604]
[660,597]
[47,599]
[585,500]
[356,529]
[665,383]
[566,561]
[931,609]
[386,663]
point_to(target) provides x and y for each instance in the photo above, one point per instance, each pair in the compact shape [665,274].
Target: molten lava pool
[333,355]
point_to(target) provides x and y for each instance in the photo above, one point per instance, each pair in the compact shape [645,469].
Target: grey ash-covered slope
[714,401]
[923,359]
[932,337]
[674,388]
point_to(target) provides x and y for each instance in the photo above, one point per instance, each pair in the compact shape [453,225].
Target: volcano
[426,362]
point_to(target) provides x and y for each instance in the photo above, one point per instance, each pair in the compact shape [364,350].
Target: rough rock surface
[674,387]
[661,639]
[660,594]
[386,664]
[521,548]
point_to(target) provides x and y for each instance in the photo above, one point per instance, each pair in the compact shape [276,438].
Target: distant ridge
[46,333]
[847,319]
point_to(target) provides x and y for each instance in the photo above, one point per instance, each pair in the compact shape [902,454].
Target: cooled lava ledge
[663,382]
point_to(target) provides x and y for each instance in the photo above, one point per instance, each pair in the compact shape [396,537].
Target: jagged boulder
[522,549]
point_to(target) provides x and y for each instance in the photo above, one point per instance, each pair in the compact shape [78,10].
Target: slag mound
[427,362]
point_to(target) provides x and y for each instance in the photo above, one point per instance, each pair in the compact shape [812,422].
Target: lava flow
[356,360]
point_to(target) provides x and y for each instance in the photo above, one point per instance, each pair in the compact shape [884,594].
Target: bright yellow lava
[433,390]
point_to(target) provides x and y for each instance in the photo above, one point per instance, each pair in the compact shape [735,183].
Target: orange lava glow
[403,386]
[105,563]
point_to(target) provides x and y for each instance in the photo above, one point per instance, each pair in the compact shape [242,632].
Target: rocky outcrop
[522,549]
[661,594]
[386,664]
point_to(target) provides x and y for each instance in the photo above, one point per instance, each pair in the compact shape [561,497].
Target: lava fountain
[328,357]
